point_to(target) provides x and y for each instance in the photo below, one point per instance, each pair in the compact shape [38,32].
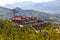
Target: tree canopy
[9,32]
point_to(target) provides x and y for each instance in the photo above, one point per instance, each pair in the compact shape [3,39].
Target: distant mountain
[31,13]
[48,7]
[6,13]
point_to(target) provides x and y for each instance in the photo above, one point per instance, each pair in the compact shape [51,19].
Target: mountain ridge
[25,13]
[48,7]
[6,13]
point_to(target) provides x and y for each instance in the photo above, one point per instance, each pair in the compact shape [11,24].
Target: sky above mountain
[48,6]
[3,2]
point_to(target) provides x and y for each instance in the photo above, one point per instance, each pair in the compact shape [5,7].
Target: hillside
[4,12]
[11,31]
[7,13]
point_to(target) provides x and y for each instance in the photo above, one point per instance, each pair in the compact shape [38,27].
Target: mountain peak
[18,9]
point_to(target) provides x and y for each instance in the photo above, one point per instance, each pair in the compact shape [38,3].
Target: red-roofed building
[17,18]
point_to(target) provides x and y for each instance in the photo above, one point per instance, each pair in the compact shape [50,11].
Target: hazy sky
[3,2]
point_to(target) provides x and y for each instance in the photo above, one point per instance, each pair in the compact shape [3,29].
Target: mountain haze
[7,13]
[48,7]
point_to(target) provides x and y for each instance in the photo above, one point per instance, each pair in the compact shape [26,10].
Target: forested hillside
[11,31]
